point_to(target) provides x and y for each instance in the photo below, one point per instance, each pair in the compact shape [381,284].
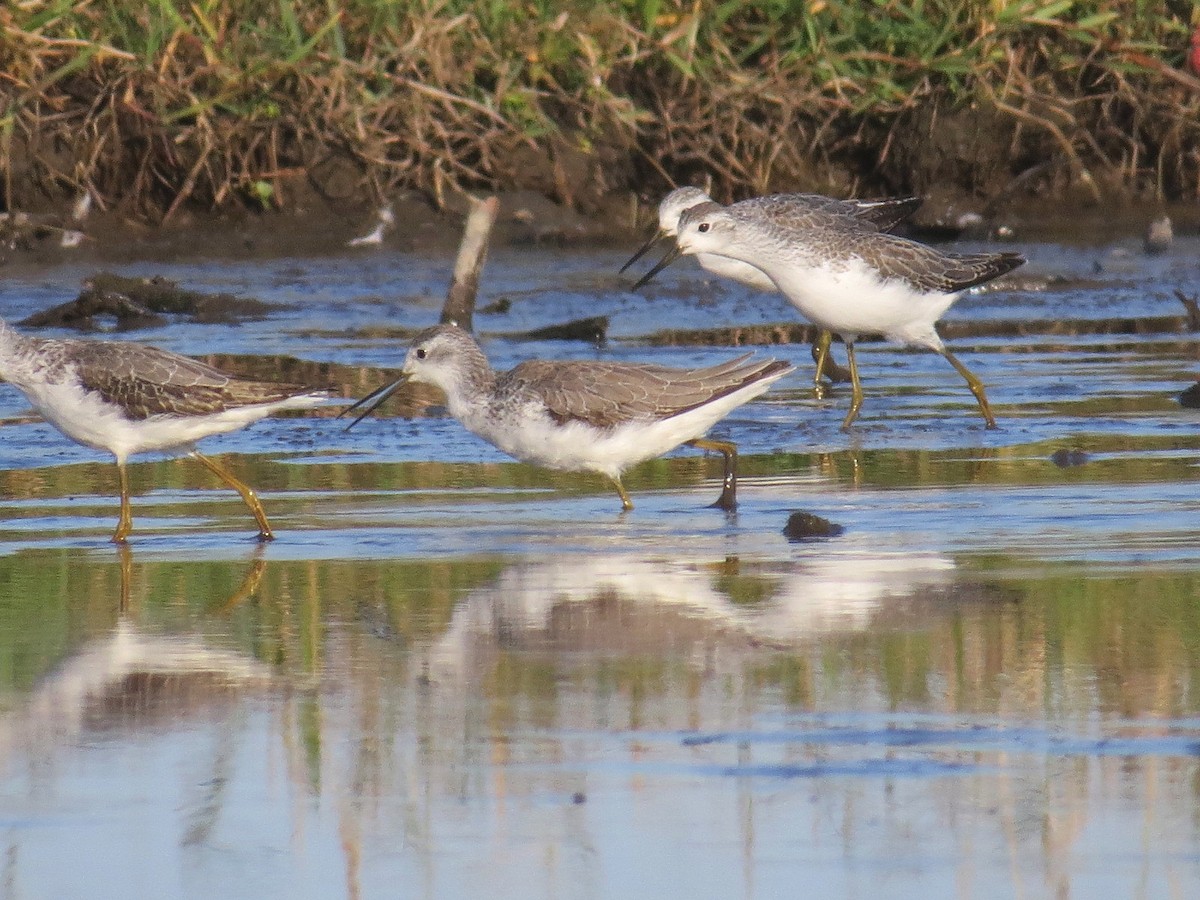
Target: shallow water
[456,676]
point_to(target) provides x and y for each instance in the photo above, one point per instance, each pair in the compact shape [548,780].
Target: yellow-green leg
[975,385]
[856,396]
[728,498]
[827,367]
[125,520]
[820,351]
[626,503]
[246,492]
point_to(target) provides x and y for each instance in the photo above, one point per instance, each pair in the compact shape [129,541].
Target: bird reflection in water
[247,587]
[593,602]
[132,675]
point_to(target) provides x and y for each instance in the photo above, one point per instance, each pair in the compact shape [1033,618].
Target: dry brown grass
[205,106]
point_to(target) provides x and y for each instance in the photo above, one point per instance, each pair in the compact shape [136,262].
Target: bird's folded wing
[149,382]
[928,269]
[608,394]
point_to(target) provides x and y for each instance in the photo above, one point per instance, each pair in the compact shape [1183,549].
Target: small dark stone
[496,307]
[1190,399]
[579,797]
[1065,459]
[804,526]
[593,330]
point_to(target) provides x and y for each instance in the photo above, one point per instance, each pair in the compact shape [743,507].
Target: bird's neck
[22,357]
[11,345]
[470,385]
[734,247]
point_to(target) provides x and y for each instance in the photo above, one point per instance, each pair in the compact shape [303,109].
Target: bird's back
[604,394]
[146,381]
[821,235]
[870,215]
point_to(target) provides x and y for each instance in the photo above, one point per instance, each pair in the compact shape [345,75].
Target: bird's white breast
[736,270]
[849,298]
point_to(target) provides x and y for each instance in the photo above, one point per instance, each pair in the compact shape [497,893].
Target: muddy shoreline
[526,219]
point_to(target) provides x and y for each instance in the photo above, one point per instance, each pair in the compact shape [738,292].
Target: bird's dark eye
[420,353]
[702,227]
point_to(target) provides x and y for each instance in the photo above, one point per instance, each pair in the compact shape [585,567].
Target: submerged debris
[143,303]
[806,526]
[1190,399]
[1066,459]
[593,330]
[496,307]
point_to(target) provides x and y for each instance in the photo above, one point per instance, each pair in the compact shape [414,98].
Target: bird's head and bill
[670,209]
[692,236]
[444,356]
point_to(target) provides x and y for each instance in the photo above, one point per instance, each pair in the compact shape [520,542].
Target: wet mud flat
[461,675]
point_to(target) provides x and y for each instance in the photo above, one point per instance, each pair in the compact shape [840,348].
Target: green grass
[211,103]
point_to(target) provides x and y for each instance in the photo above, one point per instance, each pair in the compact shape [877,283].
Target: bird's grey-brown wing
[886,213]
[816,211]
[146,381]
[608,394]
[883,214]
[812,218]
[929,269]
[821,229]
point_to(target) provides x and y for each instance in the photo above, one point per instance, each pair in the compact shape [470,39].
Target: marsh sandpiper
[129,398]
[584,416]
[883,214]
[843,275]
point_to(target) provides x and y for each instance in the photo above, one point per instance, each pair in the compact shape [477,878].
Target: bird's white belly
[85,418]
[80,415]
[578,447]
[531,436]
[852,300]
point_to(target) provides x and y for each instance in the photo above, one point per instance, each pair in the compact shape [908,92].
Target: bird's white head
[433,352]
[706,228]
[448,358]
[675,204]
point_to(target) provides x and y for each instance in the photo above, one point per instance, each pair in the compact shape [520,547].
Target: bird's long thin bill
[673,254]
[654,239]
[372,401]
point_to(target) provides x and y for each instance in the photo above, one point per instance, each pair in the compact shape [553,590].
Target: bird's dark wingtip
[1010,261]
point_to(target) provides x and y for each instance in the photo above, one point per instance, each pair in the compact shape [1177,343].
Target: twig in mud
[472,254]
